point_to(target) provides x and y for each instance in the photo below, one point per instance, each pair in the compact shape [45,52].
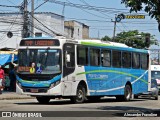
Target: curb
[14,98]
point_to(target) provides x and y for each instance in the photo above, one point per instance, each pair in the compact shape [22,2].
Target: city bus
[50,68]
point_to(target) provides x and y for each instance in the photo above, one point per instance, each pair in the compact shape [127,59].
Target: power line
[40,5]
[11,25]
[10,6]
[45,26]
[102,9]
[83,1]
[90,12]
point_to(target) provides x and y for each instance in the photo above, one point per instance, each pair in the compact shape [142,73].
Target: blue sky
[102,25]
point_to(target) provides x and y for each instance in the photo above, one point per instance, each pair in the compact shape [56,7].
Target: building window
[38,34]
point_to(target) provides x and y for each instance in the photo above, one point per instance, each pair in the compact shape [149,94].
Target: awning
[6,57]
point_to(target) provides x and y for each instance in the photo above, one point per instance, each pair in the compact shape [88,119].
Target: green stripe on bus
[94,44]
[111,71]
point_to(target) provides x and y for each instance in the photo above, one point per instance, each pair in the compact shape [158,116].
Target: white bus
[80,69]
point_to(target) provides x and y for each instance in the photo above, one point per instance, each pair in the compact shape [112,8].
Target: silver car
[153,93]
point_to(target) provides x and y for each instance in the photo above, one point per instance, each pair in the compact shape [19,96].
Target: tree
[106,38]
[132,38]
[152,7]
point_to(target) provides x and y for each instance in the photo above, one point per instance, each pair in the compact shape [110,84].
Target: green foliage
[152,7]
[106,38]
[132,39]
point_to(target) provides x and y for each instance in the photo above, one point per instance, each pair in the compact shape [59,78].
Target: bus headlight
[54,84]
[19,84]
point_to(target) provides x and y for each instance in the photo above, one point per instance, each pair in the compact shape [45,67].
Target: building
[75,29]
[45,24]
[10,22]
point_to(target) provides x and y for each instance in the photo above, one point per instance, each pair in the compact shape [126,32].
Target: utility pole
[117,18]
[32,16]
[25,20]
[114,30]
[98,34]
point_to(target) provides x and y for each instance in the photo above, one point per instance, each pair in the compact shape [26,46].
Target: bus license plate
[34,90]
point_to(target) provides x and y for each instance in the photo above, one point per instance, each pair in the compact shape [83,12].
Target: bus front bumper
[56,91]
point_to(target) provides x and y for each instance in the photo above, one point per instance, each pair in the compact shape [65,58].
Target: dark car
[153,93]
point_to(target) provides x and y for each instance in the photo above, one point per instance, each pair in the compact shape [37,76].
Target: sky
[100,22]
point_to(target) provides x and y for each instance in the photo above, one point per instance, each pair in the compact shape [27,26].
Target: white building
[45,23]
[10,22]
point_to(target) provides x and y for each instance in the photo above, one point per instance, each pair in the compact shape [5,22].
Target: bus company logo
[6,114]
[97,76]
[134,16]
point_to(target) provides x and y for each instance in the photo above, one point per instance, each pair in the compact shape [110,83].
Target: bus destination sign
[38,42]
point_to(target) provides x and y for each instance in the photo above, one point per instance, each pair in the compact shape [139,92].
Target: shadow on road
[67,101]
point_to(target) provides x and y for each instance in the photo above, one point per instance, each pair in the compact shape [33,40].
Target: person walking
[1,79]
[12,78]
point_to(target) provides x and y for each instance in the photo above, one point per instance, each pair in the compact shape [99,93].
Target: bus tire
[127,93]
[43,100]
[80,95]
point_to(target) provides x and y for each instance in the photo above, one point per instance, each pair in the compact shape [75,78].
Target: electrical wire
[40,5]
[83,1]
[45,26]
[91,13]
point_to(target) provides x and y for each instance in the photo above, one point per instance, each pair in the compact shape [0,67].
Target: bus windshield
[155,74]
[39,61]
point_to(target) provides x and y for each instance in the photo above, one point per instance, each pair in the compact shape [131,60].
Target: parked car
[153,93]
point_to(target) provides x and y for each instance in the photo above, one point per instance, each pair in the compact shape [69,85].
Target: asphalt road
[107,107]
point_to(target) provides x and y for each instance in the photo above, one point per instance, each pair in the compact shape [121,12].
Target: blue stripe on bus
[27,83]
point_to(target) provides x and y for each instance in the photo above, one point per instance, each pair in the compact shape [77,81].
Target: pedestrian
[12,77]
[1,79]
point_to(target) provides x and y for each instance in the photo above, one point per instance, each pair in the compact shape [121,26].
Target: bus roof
[93,42]
[111,45]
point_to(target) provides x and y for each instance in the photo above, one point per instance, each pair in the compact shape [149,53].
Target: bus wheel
[43,100]
[127,93]
[80,96]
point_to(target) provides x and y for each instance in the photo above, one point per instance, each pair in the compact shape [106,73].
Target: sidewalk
[13,95]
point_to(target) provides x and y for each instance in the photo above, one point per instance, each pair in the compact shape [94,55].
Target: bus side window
[126,59]
[82,55]
[94,57]
[106,58]
[136,60]
[116,59]
[144,61]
